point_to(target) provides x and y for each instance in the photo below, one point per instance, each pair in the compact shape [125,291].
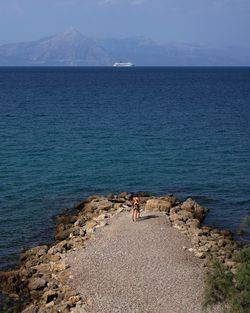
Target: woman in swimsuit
[135,208]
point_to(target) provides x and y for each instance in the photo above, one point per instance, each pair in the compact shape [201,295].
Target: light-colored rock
[203,248]
[42,268]
[101,217]
[200,255]
[73,299]
[54,257]
[57,266]
[119,210]
[230,264]
[154,205]
[50,304]
[90,225]
[102,224]
[117,206]
[36,283]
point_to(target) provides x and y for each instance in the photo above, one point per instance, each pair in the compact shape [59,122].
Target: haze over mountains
[71,48]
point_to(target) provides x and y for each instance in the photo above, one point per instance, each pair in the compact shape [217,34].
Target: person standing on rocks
[135,208]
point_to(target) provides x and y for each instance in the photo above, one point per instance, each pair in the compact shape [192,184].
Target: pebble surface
[142,267]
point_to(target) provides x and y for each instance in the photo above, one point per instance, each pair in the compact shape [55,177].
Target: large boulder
[192,206]
[160,204]
[154,205]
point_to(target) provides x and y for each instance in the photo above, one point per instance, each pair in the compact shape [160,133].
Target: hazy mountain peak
[72,48]
[70,35]
[72,31]
[67,48]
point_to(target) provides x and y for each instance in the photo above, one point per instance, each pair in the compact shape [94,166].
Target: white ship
[123,64]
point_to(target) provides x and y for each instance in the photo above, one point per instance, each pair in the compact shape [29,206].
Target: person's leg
[138,213]
[134,215]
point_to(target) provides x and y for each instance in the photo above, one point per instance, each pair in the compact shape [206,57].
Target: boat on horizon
[123,64]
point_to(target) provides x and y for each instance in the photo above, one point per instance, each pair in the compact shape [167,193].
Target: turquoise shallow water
[67,133]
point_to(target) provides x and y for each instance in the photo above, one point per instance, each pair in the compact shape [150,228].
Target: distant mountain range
[71,48]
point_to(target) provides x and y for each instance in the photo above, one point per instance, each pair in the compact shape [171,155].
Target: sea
[70,132]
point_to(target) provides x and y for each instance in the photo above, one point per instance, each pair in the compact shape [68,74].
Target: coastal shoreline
[38,283]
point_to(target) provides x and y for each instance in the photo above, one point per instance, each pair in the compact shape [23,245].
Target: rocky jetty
[38,284]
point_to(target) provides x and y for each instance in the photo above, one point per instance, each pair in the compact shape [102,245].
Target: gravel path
[138,268]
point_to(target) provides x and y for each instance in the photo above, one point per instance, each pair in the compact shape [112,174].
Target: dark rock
[79,206]
[60,228]
[50,295]
[226,233]
[9,281]
[142,194]
[94,197]
[110,197]
[66,219]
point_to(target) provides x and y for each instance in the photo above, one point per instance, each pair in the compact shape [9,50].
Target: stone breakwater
[38,284]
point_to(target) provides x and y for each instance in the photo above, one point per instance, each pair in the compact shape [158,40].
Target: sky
[221,23]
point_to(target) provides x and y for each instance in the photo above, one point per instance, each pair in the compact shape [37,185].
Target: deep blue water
[66,133]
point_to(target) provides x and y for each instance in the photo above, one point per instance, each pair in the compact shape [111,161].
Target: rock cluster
[208,243]
[38,284]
